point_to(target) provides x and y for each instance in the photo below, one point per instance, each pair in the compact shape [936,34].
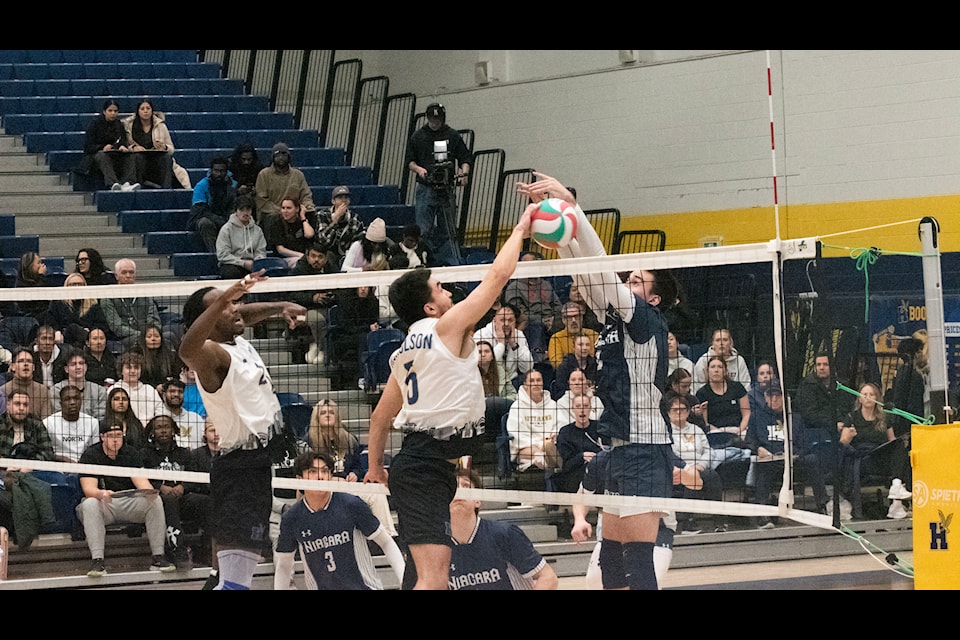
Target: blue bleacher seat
[274,265]
[8,224]
[194,265]
[142,220]
[170,242]
[296,417]
[16,245]
[394,215]
[65,494]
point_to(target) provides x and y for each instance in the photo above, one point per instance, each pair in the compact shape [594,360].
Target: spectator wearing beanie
[373,251]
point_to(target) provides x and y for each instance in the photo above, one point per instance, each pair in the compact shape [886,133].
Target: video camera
[442,174]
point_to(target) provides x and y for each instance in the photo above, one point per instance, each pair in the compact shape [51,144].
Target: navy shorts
[639,470]
[241,498]
[421,490]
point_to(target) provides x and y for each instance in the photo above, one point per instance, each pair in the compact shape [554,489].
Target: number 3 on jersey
[413,393]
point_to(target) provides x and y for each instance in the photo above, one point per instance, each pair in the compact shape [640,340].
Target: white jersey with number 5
[439,389]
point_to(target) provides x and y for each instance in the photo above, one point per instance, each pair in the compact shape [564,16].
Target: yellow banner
[936,499]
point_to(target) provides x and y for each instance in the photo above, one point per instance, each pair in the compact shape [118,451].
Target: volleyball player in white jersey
[631,379]
[238,395]
[435,396]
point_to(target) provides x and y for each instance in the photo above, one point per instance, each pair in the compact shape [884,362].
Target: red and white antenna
[773,149]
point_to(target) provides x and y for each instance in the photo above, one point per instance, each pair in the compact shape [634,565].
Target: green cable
[897,412]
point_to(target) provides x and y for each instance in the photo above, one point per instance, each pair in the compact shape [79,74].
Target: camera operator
[441,160]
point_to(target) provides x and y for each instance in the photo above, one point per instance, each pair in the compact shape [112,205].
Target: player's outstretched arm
[380,421]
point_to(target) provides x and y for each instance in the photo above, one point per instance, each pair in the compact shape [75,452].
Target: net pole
[936,339]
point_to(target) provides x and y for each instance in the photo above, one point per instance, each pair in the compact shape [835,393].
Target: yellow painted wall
[741,226]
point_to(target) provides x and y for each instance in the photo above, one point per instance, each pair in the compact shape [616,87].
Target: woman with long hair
[32,272]
[149,140]
[120,412]
[160,361]
[105,148]
[73,319]
[727,412]
[680,382]
[328,436]
[89,264]
[497,389]
[101,363]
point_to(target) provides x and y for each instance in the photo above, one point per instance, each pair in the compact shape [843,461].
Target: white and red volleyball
[554,223]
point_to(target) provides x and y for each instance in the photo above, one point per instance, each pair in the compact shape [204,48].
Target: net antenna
[936,339]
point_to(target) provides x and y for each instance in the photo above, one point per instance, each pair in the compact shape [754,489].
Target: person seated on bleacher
[562,342]
[532,425]
[244,166]
[577,384]
[539,307]
[148,139]
[372,252]
[101,363]
[144,399]
[73,319]
[127,318]
[766,436]
[315,261]
[32,272]
[676,359]
[101,506]
[278,181]
[48,358]
[71,429]
[160,360]
[214,199]
[413,246]
[723,346]
[190,423]
[163,452]
[727,412]
[105,148]
[93,395]
[577,444]
[338,226]
[22,380]
[290,232]
[498,391]
[581,358]
[89,264]
[200,459]
[118,411]
[240,241]
[509,343]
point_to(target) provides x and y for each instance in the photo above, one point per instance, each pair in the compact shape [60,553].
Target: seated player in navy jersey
[331,530]
[488,554]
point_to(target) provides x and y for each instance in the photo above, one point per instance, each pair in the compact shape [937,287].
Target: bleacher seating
[45,141]
[15,246]
[9,265]
[23,123]
[56,56]
[39,105]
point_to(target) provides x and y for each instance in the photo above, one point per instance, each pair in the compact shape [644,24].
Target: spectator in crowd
[199,495]
[22,366]
[160,361]
[821,411]
[89,264]
[290,232]
[577,444]
[498,391]
[590,320]
[101,363]
[563,341]
[191,394]
[73,319]
[372,252]
[677,359]
[244,167]
[240,242]
[766,374]
[509,344]
[105,148]
[532,424]
[106,500]
[93,395]
[315,261]
[48,358]
[190,425]
[766,435]
[118,411]
[499,551]
[690,445]
[360,311]
[910,391]
[539,307]
[71,430]
[438,175]
[722,346]
[338,226]
[162,452]
[144,399]
[680,382]
[581,358]
[314,526]
[577,384]
[413,247]
[32,272]
[280,180]
[148,139]
[19,424]
[214,200]
[727,413]
[128,317]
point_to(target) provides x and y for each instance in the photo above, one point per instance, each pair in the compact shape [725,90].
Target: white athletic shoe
[898,491]
[116,186]
[896,510]
[135,186]
[311,356]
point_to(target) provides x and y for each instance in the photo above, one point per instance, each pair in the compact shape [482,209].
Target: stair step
[21,161]
[24,182]
[42,201]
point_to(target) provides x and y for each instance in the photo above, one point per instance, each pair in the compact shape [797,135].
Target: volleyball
[554,223]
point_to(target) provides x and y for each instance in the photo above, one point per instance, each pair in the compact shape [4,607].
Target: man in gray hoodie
[240,241]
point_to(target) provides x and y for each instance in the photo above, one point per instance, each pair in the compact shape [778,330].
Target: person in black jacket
[214,199]
[314,262]
[104,149]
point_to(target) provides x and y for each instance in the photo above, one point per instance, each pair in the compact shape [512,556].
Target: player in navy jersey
[489,555]
[435,397]
[331,530]
[632,366]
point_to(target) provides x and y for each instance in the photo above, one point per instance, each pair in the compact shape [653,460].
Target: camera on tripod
[443,172]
